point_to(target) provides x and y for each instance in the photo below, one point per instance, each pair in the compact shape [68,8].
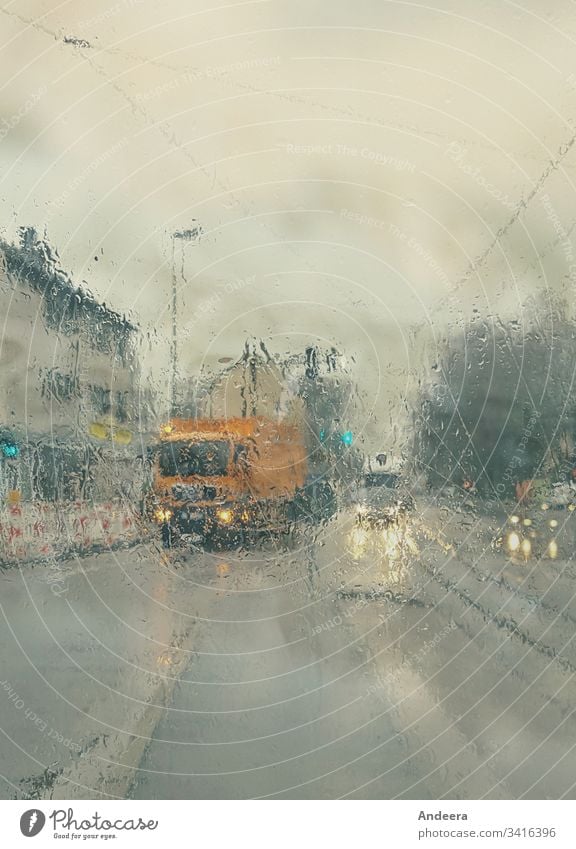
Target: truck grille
[186,492]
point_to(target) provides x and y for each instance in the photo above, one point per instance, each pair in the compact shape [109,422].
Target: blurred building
[69,381]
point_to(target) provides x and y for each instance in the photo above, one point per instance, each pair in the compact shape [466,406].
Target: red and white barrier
[34,531]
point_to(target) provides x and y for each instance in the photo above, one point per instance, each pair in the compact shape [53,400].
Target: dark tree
[501,406]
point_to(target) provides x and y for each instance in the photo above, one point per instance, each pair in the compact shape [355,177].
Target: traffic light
[9,448]
[347,437]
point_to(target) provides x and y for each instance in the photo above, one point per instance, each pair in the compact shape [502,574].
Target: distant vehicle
[223,479]
[381,499]
[533,536]
[540,492]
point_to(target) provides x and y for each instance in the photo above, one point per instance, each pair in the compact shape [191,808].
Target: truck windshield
[184,459]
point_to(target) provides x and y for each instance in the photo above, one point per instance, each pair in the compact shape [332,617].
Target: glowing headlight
[224,516]
[553,523]
[513,542]
[514,520]
[572,507]
[553,549]
[545,506]
[162,515]
[357,542]
[526,548]
[527,522]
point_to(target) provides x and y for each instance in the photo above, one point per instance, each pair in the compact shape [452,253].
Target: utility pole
[190,235]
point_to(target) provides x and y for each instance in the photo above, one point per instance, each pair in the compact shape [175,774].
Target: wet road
[414,663]
[418,662]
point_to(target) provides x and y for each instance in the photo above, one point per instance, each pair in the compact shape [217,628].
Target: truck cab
[223,478]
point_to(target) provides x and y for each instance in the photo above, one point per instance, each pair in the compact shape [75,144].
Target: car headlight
[553,523]
[225,516]
[513,541]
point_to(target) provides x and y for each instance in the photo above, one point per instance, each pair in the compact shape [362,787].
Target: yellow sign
[98,430]
[120,435]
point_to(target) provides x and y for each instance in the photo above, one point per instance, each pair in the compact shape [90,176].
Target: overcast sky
[359,169]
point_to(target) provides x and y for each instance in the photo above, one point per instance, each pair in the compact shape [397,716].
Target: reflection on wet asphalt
[369,664]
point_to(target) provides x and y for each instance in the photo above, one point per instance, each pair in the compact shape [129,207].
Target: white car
[381,499]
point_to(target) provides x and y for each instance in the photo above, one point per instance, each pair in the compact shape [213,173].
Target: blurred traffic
[258,528]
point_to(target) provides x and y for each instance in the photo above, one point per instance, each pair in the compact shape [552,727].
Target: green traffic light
[347,437]
[10,449]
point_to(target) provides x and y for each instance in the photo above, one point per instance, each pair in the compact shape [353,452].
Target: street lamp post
[190,235]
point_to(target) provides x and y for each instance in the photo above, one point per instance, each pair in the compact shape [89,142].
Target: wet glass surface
[287,401]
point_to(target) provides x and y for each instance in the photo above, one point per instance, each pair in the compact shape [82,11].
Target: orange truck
[214,478]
